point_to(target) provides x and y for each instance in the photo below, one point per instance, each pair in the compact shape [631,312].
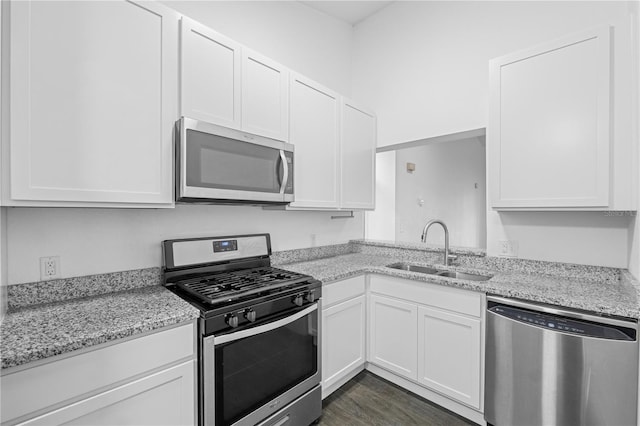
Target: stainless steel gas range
[259,345]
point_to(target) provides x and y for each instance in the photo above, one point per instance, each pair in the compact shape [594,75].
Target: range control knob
[231,320]
[298,300]
[250,314]
[310,296]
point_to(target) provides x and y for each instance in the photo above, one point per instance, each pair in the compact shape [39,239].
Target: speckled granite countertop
[53,318]
[41,331]
[596,292]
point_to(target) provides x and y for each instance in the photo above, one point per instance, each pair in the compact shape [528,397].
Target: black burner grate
[231,285]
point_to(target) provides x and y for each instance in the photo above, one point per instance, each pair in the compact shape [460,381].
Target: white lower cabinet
[392,335]
[449,354]
[343,332]
[431,335]
[343,345]
[427,338]
[159,399]
[147,380]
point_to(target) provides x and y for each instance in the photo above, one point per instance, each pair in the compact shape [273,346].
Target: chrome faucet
[446,238]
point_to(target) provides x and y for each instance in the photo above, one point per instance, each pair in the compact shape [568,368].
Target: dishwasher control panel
[563,324]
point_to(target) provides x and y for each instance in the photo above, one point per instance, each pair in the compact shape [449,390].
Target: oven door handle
[226,338]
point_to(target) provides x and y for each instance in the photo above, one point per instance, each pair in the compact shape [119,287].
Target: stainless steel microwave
[217,164]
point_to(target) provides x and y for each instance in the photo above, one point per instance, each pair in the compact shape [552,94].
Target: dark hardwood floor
[368,400]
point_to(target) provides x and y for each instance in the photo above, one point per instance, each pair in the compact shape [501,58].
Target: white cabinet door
[314,132]
[27,393]
[392,335]
[449,354]
[93,102]
[210,75]
[549,126]
[163,398]
[343,337]
[358,155]
[265,96]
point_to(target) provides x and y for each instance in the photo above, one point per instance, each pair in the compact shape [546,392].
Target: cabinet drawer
[439,296]
[165,398]
[342,290]
[47,385]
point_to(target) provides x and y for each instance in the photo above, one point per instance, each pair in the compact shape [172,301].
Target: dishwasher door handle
[556,310]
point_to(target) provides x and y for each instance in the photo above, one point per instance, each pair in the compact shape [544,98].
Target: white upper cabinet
[549,135]
[265,96]
[358,155]
[210,75]
[314,132]
[92,103]
[228,84]
[335,146]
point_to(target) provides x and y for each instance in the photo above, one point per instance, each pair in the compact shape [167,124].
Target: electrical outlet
[508,248]
[313,240]
[49,268]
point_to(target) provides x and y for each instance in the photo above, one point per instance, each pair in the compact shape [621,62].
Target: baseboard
[459,409]
[328,390]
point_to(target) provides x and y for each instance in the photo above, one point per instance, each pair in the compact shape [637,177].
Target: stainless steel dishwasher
[551,366]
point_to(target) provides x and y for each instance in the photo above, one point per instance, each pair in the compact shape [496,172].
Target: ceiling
[351,12]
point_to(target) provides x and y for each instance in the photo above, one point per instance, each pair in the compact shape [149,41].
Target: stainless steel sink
[439,272]
[414,268]
[463,276]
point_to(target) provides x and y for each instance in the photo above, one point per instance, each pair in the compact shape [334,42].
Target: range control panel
[563,324]
[225,245]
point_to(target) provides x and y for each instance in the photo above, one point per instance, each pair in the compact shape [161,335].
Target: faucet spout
[446,237]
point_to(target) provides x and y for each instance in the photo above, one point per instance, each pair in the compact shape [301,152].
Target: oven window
[252,371]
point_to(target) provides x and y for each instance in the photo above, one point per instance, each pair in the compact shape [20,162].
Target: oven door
[250,374]
[219,163]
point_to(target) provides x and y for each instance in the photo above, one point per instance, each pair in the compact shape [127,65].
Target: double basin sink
[438,272]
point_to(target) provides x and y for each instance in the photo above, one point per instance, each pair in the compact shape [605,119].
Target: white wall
[91,241]
[589,238]
[423,67]
[293,34]
[634,250]
[380,223]
[449,178]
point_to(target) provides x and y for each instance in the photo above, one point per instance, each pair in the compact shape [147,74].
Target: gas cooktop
[223,287]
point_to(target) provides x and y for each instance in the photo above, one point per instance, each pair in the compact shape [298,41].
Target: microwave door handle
[285,167]
[278,172]
[226,338]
